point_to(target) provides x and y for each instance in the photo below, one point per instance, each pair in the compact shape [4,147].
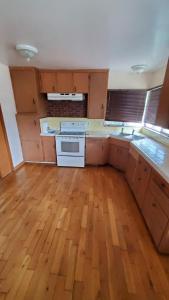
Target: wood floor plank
[71,234]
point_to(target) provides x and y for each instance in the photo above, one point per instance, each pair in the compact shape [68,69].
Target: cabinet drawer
[161,196]
[161,183]
[155,218]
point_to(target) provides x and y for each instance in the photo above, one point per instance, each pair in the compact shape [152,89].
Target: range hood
[65,96]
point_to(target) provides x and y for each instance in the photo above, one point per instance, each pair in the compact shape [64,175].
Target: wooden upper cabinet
[48,82]
[162,118]
[65,82]
[96,151]
[97,95]
[81,82]
[25,87]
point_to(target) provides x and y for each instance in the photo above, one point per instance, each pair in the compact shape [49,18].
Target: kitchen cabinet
[29,126]
[65,82]
[96,151]
[81,82]
[32,150]
[142,175]
[155,218]
[118,157]
[5,160]
[48,81]
[97,99]
[49,148]
[29,131]
[26,90]
[118,154]
[131,167]
[156,211]
[162,118]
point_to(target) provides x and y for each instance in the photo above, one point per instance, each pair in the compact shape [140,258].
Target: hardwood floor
[75,234]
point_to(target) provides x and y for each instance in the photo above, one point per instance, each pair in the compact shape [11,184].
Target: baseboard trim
[19,166]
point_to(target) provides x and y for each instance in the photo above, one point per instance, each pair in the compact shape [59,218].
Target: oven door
[70,146]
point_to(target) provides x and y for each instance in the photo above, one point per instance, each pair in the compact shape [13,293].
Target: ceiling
[113,34]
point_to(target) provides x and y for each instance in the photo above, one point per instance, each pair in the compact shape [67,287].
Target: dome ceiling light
[26,51]
[139,68]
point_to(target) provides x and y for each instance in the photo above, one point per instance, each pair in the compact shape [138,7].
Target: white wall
[8,109]
[124,80]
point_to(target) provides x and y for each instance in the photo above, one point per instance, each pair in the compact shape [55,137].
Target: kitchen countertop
[155,153]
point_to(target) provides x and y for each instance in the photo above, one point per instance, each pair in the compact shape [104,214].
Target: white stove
[70,144]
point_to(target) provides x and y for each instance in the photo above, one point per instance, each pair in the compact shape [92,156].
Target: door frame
[6,139]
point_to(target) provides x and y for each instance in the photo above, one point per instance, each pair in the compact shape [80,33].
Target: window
[125,105]
[151,106]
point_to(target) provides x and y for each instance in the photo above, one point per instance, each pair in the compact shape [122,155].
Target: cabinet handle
[153,204]
[102,106]
[33,101]
[34,122]
[53,88]
[145,169]
[139,178]
[38,146]
[74,89]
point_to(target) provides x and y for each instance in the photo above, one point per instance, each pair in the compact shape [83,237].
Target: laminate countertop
[155,153]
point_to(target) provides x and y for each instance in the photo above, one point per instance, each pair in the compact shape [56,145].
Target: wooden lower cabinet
[140,184]
[29,126]
[155,218]
[118,154]
[131,170]
[32,150]
[96,151]
[49,148]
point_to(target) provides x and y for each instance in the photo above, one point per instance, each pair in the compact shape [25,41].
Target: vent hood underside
[65,96]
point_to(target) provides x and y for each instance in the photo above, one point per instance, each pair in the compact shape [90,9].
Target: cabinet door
[96,151]
[131,170]
[49,148]
[48,82]
[118,157]
[24,83]
[97,95]
[32,150]
[29,126]
[155,218]
[142,176]
[65,82]
[5,156]
[81,82]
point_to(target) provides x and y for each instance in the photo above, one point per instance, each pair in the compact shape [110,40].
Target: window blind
[152,105]
[125,105]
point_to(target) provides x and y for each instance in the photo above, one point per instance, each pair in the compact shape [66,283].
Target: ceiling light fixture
[139,68]
[26,51]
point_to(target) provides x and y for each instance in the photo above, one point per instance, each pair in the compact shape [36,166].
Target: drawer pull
[33,101]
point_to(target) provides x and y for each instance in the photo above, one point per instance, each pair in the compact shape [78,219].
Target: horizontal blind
[152,105]
[125,105]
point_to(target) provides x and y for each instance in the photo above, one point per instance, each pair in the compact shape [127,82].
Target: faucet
[133,132]
[122,129]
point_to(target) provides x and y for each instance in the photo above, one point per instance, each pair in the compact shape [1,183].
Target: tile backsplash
[77,109]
